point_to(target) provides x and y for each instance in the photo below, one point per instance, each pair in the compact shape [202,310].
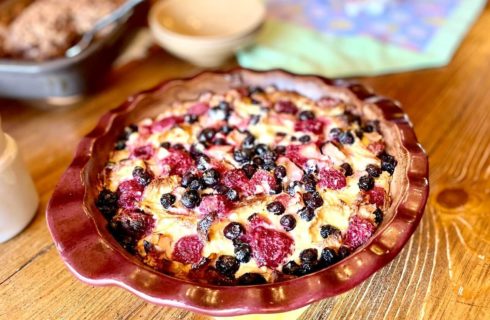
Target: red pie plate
[89,250]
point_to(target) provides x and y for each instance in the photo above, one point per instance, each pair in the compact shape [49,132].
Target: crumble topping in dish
[252,186]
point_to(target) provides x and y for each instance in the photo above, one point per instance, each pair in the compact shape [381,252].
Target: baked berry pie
[253,186]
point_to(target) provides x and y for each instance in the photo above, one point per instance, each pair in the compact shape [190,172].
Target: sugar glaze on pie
[252,186]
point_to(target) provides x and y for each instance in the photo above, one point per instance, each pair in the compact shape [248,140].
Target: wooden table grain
[442,273]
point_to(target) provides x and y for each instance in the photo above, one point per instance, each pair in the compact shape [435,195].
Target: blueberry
[328,230]
[328,257]
[313,199]
[366,183]
[251,279]
[243,252]
[206,135]
[346,137]
[261,148]
[351,118]
[142,176]
[280,172]
[190,118]
[309,182]
[334,133]
[203,162]
[288,222]
[220,142]
[248,142]
[304,139]
[269,166]
[196,184]
[242,155]
[107,203]
[196,150]
[308,255]
[359,133]
[306,213]
[210,177]
[167,200]
[249,170]
[220,188]
[347,169]
[254,119]
[233,230]
[269,156]
[291,268]
[371,126]
[254,90]
[293,188]
[178,146]
[191,199]
[232,194]
[280,149]
[257,161]
[165,145]
[378,215]
[120,145]
[276,208]
[373,170]
[388,162]
[221,111]
[343,252]
[226,129]
[227,265]
[187,179]
[306,115]
[308,267]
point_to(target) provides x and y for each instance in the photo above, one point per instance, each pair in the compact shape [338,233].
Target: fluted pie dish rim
[95,257]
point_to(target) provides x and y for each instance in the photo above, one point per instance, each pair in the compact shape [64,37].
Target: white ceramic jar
[18,196]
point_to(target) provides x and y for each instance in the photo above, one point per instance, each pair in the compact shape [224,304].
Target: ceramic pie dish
[93,255]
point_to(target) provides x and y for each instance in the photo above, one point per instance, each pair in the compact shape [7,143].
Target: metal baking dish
[63,77]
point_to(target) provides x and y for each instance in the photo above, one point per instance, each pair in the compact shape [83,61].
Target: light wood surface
[442,273]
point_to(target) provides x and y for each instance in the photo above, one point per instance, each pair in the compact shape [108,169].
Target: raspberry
[293,152]
[237,180]
[284,199]
[217,203]
[376,147]
[256,220]
[129,193]
[166,123]
[376,196]
[359,231]
[131,225]
[264,180]
[285,106]
[327,102]
[198,109]
[179,162]
[314,125]
[188,250]
[270,247]
[143,152]
[332,179]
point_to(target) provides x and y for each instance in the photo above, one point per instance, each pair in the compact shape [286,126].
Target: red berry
[198,109]
[236,179]
[129,192]
[257,220]
[166,123]
[270,247]
[332,179]
[376,196]
[218,204]
[178,161]
[284,199]
[143,152]
[264,180]
[327,102]
[188,250]
[285,106]
[313,125]
[131,225]
[359,231]
[376,147]
[293,152]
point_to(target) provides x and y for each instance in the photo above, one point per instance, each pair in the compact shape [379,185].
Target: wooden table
[442,273]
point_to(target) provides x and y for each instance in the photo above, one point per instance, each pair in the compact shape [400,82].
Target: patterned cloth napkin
[341,38]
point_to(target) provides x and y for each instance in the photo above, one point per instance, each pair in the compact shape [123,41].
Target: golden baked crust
[251,186]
